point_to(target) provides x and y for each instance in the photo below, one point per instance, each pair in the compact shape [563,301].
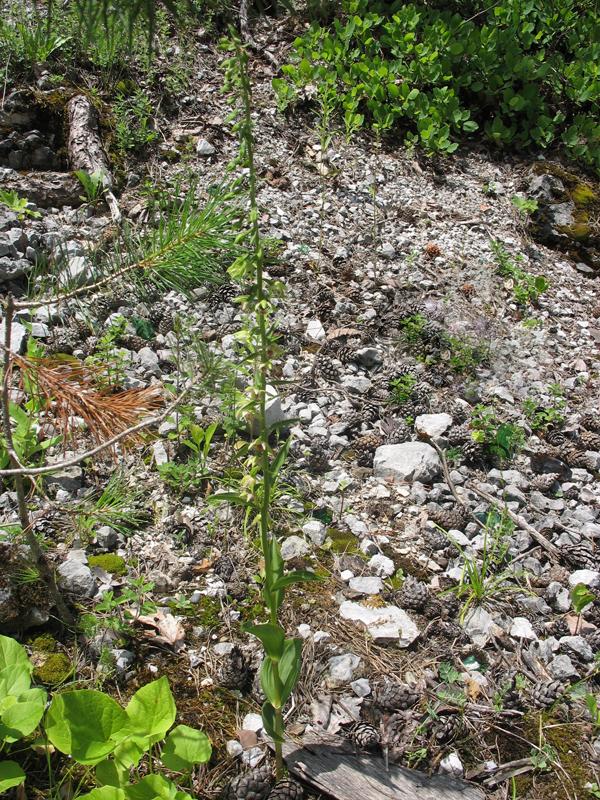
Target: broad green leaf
[151,710]
[14,680]
[129,751]
[11,775]
[184,747]
[152,787]
[271,636]
[23,716]
[13,655]
[290,666]
[297,576]
[104,793]
[85,724]
[109,773]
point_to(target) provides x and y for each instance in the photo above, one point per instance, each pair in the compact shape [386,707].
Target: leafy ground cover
[374,441]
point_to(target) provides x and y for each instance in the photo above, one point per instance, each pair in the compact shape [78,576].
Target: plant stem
[260,373]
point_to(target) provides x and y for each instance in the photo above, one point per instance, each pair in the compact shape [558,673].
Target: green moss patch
[46,643]
[109,562]
[55,669]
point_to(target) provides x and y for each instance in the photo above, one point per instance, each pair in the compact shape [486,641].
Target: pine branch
[187,248]
[68,389]
[70,462]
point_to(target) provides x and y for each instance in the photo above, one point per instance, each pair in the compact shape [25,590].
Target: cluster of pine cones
[258,784]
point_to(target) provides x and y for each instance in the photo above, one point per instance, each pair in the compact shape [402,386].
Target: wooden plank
[335,770]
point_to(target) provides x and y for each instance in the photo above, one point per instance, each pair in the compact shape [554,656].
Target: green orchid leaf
[271,636]
[290,666]
[272,725]
[297,576]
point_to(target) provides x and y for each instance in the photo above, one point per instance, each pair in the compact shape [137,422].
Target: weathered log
[334,770]
[85,148]
[45,189]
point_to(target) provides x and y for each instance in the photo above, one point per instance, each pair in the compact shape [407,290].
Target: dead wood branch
[517,519]
[19,471]
[86,151]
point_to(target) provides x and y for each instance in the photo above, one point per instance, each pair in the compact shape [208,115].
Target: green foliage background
[522,72]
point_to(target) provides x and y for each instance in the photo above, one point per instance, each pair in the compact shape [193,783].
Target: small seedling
[524,205]
[19,205]
[93,184]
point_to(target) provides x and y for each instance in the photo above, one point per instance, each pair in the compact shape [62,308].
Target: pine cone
[395,431]
[396,696]
[62,340]
[435,539]
[166,324]
[324,300]
[398,372]
[575,458]
[81,329]
[371,411]
[579,556]
[346,354]
[558,627]
[90,345]
[364,448]
[253,785]
[102,307]
[326,368]
[447,727]
[222,294]
[593,639]
[157,311]
[133,342]
[421,393]
[555,438]
[352,421]
[287,790]
[414,594]
[544,695]
[355,294]
[433,335]
[224,567]
[589,441]
[447,518]
[410,308]
[591,421]
[473,452]
[365,736]
[318,455]
[459,435]
[511,699]
[459,412]
[233,671]
[544,482]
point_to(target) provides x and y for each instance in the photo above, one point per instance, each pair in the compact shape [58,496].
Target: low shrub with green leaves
[527,288]
[522,72]
[122,750]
